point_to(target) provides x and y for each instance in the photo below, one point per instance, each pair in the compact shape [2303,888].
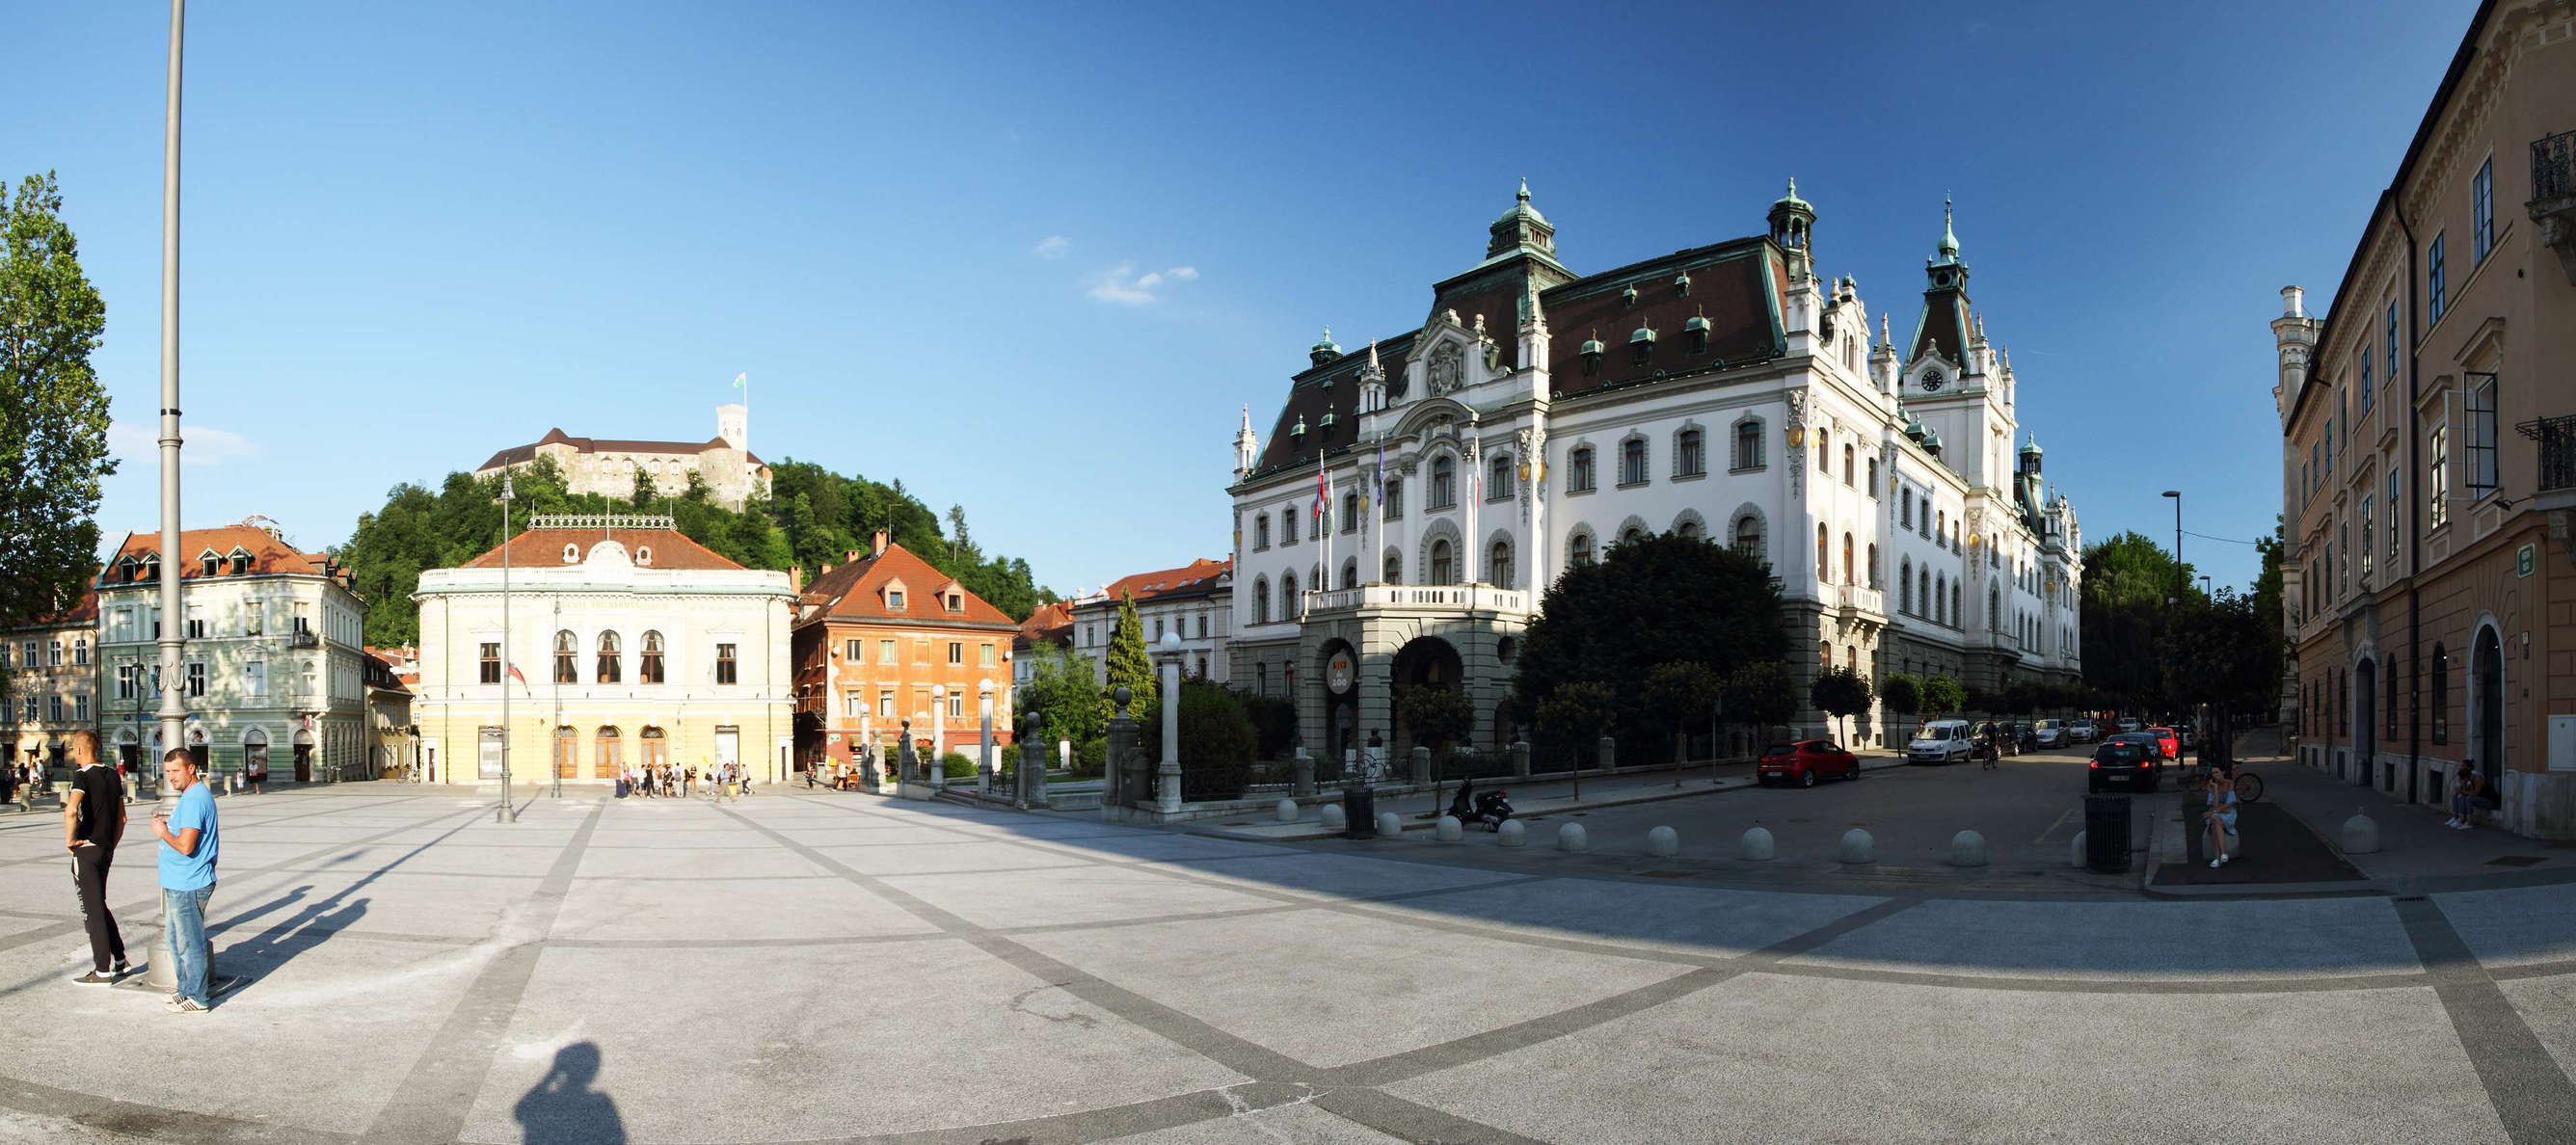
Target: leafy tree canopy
[1711,605]
[1129,666]
[53,411]
[814,518]
[2127,580]
[1840,692]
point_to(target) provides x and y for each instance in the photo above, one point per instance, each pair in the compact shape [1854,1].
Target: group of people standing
[94,824]
[719,782]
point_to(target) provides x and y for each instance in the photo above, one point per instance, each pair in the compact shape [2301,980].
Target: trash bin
[2106,833]
[1359,811]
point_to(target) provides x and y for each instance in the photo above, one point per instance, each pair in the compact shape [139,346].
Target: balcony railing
[2557,438]
[1858,598]
[2553,166]
[1420,597]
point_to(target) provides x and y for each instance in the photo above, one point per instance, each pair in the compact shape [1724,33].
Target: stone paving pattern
[823,967]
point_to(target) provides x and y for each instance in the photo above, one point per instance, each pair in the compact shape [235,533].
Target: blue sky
[1034,259]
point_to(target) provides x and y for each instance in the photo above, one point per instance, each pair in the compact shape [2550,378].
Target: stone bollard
[2360,833]
[1520,759]
[1572,839]
[1390,825]
[1287,810]
[1608,751]
[1334,820]
[1449,829]
[2075,851]
[1967,849]
[1664,842]
[1858,847]
[1422,765]
[1757,845]
[1305,780]
[1513,833]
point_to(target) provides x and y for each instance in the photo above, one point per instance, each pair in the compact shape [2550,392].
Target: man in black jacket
[93,822]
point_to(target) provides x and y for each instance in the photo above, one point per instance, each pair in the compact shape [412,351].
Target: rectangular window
[854,705]
[885,652]
[303,623]
[2482,437]
[125,674]
[984,652]
[724,664]
[1632,462]
[54,709]
[1261,532]
[894,600]
[1578,471]
[1394,498]
[1748,444]
[855,652]
[196,622]
[2393,503]
[885,705]
[80,708]
[2436,289]
[196,678]
[254,617]
[80,651]
[2388,351]
[957,653]
[1288,527]
[490,669]
[53,654]
[2364,387]
[4,654]
[255,678]
[956,705]
[2482,214]
[2369,544]
[1687,455]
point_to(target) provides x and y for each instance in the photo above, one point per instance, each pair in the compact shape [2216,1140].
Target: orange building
[887,638]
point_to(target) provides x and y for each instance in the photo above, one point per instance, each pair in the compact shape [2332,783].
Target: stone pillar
[1168,795]
[1609,749]
[1520,759]
[938,736]
[984,773]
[1305,773]
[1122,744]
[1422,765]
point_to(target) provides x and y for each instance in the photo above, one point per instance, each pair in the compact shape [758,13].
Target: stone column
[1305,773]
[1169,773]
[1422,765]
[1028,778]
[938,735]
[1122,744]
[1520,759]
[1609,749]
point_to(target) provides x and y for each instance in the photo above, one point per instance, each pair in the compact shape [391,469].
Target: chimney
[796,577]
[877,544]
[827,568]
[2291,298]
[852,556]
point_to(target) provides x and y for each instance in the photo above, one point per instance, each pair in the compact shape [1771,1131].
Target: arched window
[1579,550]
[1632,461]
[1444,565]
[1933,603]
[1351,573]
[1631,535]
[1825,653]
[1748,444]
[1498,564]
[1850,572]
[1748,537]
[1873,477]
[1444,483]
[567,648]
[1847,463]
[1289,606]
[1687,527]
[649,669]
[1994,608]
[1261,531]
[1690,457]
[1824,455]
[610,669]
[1579,476]
[1956,621]
[1498,478]
[1874,581]
[1395,568]
[1905,585]
[1824,556]
[1261,600]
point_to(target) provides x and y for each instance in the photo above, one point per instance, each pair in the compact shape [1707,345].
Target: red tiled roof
[538,548]
[1194,578]
[522,453]
[267,553]
[1048,622]
[856,591]
[82,611]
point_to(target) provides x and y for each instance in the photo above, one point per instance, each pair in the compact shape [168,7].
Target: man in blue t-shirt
[188,849]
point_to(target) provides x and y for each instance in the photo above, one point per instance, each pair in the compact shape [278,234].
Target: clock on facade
[1931,380]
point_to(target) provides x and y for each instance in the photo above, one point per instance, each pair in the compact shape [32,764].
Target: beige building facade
[48,689]
[626,643]
[2429,460]
[734,475]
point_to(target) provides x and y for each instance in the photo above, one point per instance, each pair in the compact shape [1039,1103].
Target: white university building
[1537,417]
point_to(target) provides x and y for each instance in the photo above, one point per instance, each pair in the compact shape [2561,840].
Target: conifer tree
[1129,666]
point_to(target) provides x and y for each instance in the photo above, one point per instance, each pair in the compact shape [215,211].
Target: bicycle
[2249,786]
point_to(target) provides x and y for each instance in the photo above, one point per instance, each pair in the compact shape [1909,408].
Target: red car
[2167,742]
[1804,762]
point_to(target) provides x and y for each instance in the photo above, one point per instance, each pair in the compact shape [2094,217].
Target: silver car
[2049,733]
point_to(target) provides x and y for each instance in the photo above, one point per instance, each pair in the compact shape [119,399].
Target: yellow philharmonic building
[626,643]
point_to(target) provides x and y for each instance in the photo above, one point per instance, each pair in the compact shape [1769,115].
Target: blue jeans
[189,952]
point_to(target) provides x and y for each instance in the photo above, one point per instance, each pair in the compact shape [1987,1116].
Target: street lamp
[509,812]
[2176,494]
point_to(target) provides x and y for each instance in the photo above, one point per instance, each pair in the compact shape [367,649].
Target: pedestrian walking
[28,780]
[93,822]
[190,844]
[258,774]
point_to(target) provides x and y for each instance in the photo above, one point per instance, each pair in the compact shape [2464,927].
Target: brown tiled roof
[856,591]
[1196,578]
[537,548]
[1943,326]
[556,436]
[82,611]
[1049,622]
[267,553]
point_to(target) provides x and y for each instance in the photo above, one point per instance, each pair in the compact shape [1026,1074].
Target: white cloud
[1053,246]
[140,444]
[1122,285]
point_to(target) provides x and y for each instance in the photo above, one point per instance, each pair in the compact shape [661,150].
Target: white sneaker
[2213,863]
[2453,821]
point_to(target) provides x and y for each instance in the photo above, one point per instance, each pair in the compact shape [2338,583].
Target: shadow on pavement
[2278,848]
[562,1108]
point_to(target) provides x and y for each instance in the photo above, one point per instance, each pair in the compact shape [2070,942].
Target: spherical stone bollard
[2075,851]
[1664,842]
[1513,833]
[1335,820]
[1449,829]
[1390,825]
[1757,845]
[2360,834]
[1287,810]
[1967,849]
[1858,847]
[1572,839]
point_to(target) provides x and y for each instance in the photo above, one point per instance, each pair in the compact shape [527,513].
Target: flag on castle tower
[742,381]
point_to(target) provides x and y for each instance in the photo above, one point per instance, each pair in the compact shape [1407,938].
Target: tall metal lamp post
[508,812]
[2182,577]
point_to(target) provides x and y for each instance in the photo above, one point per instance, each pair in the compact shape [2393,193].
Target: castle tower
[733,424]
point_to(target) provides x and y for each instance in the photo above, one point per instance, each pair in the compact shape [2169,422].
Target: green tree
[1061,689]
[1435,716]
[1128,665]
[1840,692]
[1708,603]
[1944,696]
[1218,742]
[2127,581]
[1902,694]
[53,411]
[1688,693]
[1574,717]
[2219,652]
[1760,697]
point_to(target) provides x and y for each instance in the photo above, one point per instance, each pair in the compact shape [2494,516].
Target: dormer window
[1695,332]
[1642,343]
[1592,351]
[209,565]
[1326,422]
[956,602]
[1682,283]
[644,554]
[241,563]
[1628,297]
[894,599]
[571,554]
[1298,430]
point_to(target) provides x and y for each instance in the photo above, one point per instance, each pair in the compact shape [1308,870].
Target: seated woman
[2469,798]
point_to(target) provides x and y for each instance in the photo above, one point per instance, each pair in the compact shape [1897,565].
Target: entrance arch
[2486,705]
[1338,667]
[1423,662]
[303,755]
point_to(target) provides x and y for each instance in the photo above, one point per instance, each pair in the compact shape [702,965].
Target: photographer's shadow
[562,1109]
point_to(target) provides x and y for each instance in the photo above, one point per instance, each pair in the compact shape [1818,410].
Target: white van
[1941,741]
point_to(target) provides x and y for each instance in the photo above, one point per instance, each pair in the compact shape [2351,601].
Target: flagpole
[507,813]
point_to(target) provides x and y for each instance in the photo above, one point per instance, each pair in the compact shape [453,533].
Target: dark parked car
[1805,762]
[2130,758]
